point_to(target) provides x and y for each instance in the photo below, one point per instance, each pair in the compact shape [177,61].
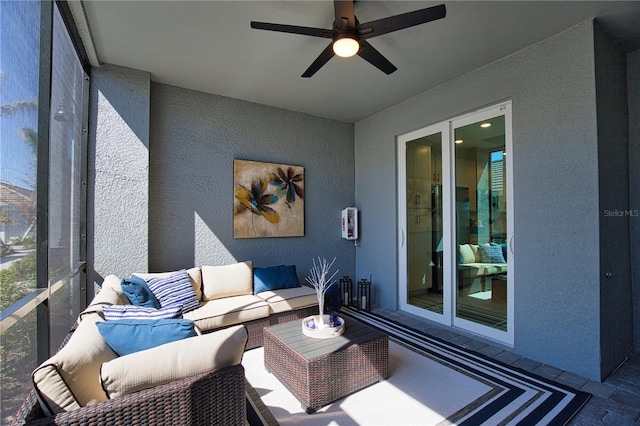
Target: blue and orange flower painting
[269,200]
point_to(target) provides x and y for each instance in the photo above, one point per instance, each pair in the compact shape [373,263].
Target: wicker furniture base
[254,331]
[320,371]
[294,315]
[216,398]
[255,327]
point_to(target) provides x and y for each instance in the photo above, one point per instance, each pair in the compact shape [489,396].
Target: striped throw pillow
[117,312]
[174,290]
[491,253]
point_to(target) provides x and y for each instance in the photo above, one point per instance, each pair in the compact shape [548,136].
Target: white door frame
[448,317]
[402,140]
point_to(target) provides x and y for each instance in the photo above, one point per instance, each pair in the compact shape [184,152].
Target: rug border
[259,411]
[578,401]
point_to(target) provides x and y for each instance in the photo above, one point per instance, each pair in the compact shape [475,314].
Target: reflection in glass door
[454,213]
[422,202]
[481,222]
[424,223]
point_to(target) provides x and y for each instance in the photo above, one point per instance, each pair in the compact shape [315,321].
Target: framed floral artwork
[268,200]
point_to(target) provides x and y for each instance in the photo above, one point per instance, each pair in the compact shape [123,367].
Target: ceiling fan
[349,37]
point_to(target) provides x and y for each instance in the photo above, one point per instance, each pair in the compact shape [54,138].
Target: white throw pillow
[476,252]
[227,280]
[466,254]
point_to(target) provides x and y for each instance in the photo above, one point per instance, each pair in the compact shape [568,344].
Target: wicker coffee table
[320,371]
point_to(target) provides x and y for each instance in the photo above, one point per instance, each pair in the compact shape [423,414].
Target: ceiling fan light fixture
[346,46]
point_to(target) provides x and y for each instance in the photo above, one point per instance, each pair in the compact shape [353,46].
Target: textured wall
[118,167]
[633,87]
[194,139]
[556,261]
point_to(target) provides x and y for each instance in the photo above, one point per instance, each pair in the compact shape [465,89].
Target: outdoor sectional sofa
[193,380]
[227,296]
[480,261]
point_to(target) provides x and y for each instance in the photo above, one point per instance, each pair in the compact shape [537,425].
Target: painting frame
[268,200]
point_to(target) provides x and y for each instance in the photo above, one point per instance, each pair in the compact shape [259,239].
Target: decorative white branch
[318,279]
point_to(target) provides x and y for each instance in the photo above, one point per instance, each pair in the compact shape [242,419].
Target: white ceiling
[209,46]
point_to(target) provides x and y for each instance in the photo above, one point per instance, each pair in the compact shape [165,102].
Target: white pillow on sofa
[227,280]
[476,253]
[466,253]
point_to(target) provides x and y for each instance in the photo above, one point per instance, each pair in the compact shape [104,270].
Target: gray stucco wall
[633,87]
[194,139]
[118,168]
[555,160]
[161,178]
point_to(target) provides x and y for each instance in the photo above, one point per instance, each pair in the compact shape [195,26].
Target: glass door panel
[421,211]
[455,223]
[480,150]
[424,224]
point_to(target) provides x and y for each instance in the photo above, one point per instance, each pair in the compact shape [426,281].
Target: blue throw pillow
[129,336]
[138,292]
[497,255]
[274,278]
[175,290]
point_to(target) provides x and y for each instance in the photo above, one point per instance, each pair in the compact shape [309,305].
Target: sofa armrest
[110,294]
[210,398]
[173,361]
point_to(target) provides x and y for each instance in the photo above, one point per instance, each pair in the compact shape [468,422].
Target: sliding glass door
[455,223]
[422,228]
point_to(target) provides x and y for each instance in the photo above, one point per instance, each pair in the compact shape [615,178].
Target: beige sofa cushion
[194,273]
[69,379]
[481,269]
[227,280]
[475,249]
[466,253]
[110,294]
[228,311]
[287,299]
[173,361]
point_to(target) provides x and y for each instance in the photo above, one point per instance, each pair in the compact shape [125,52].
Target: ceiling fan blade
[293,29]
[375,58]
[345,17]
[320,61]
[399,22]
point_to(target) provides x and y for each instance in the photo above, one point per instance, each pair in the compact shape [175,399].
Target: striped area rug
[481,390]
[518,397]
